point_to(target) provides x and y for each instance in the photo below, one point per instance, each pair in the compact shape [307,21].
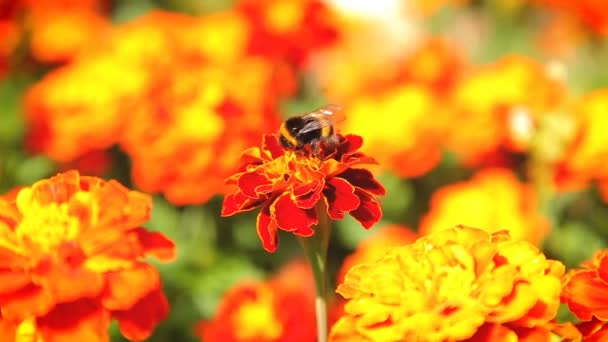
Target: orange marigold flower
[494,199]
[72,259]
[289,186]
[60,29]
[280,309]
[371,249]
[461,284]
[167,97]
[499,106]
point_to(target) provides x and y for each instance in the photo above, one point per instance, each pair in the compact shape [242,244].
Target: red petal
[138,323]
[271,144]
[11,281]
[586,295]
[350,144]
[602,271]
[155,244]
[363,179]
[308,195]
[340,197]
[82,320]
[250,182]
[267,230]
[369,212]
[124,288]
[291,218]
[236,203]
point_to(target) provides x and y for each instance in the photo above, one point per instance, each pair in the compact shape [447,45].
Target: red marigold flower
[72,259]
[288,186]
[288,30]
[280,309]
[460,284]
[495,200]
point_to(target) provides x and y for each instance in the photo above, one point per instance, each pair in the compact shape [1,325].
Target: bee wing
[327,115]
[333,111]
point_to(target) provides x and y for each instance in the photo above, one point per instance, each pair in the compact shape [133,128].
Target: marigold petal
[82,320]
[138,322]
[349,145]
[291,218]
[341,198]
[586,296]
[8,330]
[126,287]
[271,144]
[11,280]
[369,212]
[249,184]
[494,332]
[31,300]
[267,230]
[309,194]
[155,244]
[68,285]
[602,270]
[238,202]
[363,179]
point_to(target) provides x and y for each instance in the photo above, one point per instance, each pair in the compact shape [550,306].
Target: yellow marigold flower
[583,161]
[495,200]
[462,284]
[400,114]
[498,108]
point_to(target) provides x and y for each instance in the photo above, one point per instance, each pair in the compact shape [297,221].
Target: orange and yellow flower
[493,199]
[166,96]
[582,161]
[61,29]
[280,309]
[72,259]
[498,107]
[396,127]
[461,284]
[291,187]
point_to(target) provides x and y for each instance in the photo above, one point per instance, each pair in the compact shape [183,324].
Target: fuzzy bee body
[311,131]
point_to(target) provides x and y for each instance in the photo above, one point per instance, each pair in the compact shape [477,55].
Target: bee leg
[314,146]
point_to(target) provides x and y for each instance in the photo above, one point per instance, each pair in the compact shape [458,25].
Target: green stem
[315,248]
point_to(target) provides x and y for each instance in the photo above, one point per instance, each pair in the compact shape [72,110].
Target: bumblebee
[311,131]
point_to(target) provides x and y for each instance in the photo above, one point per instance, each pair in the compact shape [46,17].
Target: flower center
[257,319]
[48,225]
